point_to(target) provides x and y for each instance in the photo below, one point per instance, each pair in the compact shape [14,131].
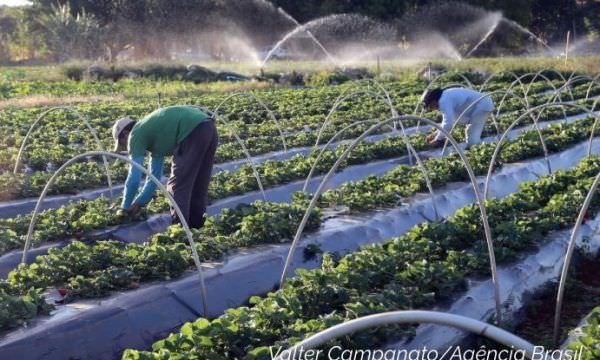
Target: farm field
[327,204]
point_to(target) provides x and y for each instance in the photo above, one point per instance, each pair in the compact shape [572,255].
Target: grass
[43,100]
[587,64]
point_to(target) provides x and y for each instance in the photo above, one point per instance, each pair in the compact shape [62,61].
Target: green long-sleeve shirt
[158,133]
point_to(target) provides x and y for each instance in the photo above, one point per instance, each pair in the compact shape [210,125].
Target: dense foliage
[300,114]
[374,192]
[589,342]
[427,264]
[58,30]
[81,270]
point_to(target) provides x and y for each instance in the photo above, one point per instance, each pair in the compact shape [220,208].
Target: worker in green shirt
[184,132]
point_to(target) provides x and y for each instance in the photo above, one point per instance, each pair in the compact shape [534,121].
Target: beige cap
[118,128]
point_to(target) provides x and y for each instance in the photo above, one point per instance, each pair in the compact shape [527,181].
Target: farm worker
[455,105]
[184,132]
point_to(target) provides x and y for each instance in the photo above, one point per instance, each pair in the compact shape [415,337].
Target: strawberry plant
[297,109]
[426,265]
[588,344]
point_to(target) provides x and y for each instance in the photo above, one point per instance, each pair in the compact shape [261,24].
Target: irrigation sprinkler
[411,317]
[411,152]
[152,178]
[567,259]
[567,47]
[514,123]
[87,124]
[263,105]
[472,179]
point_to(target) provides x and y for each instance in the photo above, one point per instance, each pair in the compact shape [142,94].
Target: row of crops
[424,265]
[300,114]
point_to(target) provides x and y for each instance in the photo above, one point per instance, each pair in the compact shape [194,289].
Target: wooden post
[567,47]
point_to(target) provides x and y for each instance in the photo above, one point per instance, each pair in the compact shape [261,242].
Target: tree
[8,25]
[71,36]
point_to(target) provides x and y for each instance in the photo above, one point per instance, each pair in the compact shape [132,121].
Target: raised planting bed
[441,171]
[428,265]
[282,166]
[140,232]
[77,180]
[528,305]
[253,272]
[586,338]
[582,295]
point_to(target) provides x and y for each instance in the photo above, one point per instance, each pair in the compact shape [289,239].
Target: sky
[14,2]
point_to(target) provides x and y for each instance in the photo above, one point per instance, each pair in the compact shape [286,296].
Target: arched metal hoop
[327,145]
[263,105]
[535,123]
[344,97]
[87,124]
[149,175]
[411,317]
[516,78]
[505,135]
[472,178]
[249,158]
[540,74]
[568,256]
[410,152]
[593,126]
[594,80]
[525,91]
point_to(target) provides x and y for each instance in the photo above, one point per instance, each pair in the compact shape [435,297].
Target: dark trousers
[191,171]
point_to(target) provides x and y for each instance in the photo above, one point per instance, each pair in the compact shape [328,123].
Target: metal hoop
[473,180]
[149,175]
[410,317]
[87,124]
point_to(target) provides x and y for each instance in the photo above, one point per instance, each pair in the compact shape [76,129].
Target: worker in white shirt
[455,105]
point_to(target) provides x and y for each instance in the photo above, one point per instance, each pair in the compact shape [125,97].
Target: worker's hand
[432,141]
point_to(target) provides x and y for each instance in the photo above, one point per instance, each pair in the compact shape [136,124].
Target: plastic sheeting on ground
[518,282]
[101,329]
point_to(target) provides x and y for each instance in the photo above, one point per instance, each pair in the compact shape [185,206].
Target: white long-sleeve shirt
[455,101]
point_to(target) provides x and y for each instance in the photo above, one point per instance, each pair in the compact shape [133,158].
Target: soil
[582,295]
